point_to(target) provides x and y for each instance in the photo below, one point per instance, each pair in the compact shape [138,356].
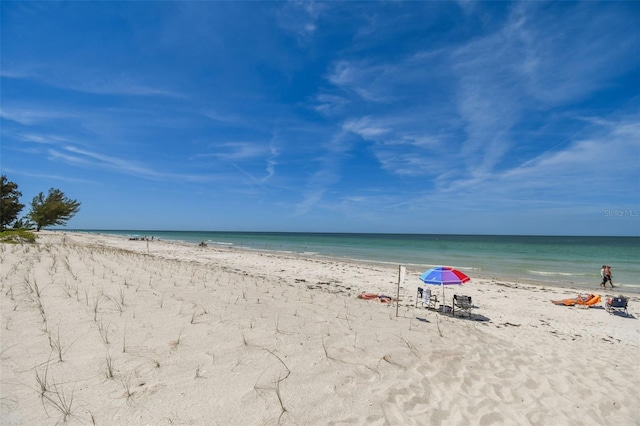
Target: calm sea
[564,261]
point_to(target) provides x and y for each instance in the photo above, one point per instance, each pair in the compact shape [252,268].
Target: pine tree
[10,206]
[55,209]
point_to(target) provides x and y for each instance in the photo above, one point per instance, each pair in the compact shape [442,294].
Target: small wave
[219,243]
[467,268]
[562,274]
[637,286]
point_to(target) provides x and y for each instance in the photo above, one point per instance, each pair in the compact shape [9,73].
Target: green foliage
[17,236]
[23,223]
[10,205]
[54,209]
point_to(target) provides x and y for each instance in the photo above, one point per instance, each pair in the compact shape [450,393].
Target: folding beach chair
[462,303]
[425,297]
[617,304]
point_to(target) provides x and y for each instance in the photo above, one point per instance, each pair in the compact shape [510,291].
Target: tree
[10,205]
[23,223]
[55,209]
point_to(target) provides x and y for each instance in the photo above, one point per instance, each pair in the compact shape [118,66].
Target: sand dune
[99,329]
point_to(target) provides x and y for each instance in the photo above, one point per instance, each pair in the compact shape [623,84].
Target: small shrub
[17,236]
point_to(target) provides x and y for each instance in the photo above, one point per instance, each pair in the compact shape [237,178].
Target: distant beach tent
[442,276]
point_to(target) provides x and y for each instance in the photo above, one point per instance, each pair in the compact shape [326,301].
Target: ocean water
[554,260]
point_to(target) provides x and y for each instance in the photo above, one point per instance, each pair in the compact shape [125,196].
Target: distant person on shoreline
[202,244]
[607,273]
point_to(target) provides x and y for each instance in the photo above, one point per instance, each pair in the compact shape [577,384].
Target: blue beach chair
[617,304]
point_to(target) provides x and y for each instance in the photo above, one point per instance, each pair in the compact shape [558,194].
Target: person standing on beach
[607,274]
[603,275]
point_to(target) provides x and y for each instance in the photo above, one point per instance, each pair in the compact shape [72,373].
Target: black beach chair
[462,303]
[617,304]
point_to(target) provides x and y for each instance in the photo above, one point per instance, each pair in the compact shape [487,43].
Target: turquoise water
[573,261]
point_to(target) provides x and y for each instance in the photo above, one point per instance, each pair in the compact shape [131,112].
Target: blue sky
[418,117]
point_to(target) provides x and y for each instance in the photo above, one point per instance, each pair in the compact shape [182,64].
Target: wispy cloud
[30,116]
[522,68]
[300,19]
[245,154]
[236,151]
[272,162]
[586,167]
[366,128]
[491,94]
[572,54]
[80,157]
[36,137]
[489,97]
[330,104]
[93,81]
[121,86]
[399,148]
[370,82]
[590,172]
[326,175]
[48,177]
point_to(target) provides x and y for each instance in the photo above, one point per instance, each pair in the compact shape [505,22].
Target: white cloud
[606,163]
[590,172]
[370,82]
[90,80]
[84,158]
[330,104]
[574,52]
[35,137]
[365,128]
[31,116]
[47,177]
[236,151]
[301,20]
[271,162]
[327,175]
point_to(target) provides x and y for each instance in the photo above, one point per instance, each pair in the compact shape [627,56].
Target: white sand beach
[98,329]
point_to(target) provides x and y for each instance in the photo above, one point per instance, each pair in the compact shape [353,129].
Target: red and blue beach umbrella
[444,275]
